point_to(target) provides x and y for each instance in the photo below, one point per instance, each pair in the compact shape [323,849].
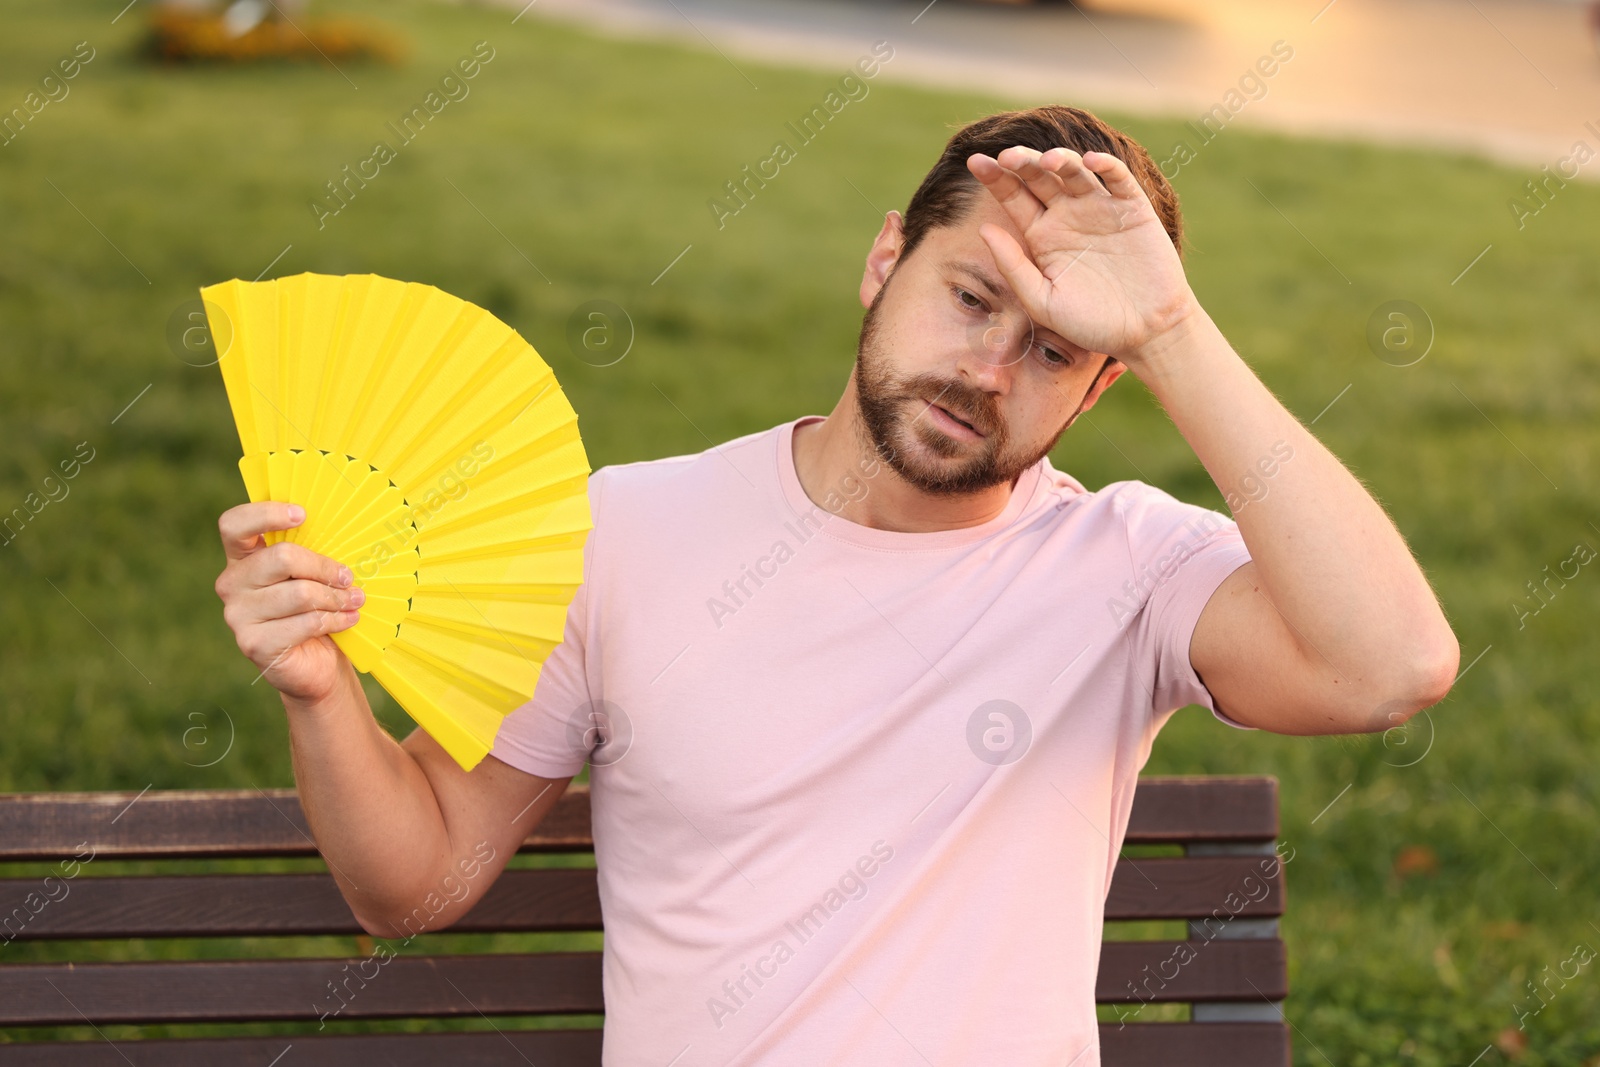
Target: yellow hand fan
[437,457]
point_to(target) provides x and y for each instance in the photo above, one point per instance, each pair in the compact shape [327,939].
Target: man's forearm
[1328,557]
[369,804]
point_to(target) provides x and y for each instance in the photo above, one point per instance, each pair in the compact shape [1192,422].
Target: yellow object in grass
[437,457]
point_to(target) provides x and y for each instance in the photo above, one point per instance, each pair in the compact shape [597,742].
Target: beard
[894,429]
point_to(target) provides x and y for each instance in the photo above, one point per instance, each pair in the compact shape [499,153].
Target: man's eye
[962,294]
[1053,357]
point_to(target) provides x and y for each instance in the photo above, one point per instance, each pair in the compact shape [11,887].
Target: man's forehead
[959,246]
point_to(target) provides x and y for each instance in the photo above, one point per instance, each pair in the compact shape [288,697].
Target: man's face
[945,338]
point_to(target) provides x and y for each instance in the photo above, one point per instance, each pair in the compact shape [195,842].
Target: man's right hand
[283,600]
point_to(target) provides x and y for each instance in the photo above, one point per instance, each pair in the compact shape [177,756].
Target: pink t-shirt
[858,793]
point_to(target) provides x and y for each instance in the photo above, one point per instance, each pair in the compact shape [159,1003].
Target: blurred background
[1393,216]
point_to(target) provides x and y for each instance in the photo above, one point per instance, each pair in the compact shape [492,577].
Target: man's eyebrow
[983,276]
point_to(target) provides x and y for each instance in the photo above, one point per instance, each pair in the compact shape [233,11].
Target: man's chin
[961,470]
[938,445]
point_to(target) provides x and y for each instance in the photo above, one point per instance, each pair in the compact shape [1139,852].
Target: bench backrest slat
[514,1048]
[1188,972]
[278,905]
[1196,887]
[539,983]
[201,824]
[197,823]
[259,905]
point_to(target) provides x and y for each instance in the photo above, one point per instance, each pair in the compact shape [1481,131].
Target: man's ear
[1109,372]
[881,257]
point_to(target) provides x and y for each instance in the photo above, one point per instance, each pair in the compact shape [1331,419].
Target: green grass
[595,159]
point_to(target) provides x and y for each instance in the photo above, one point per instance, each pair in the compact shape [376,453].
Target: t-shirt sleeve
[1180,553]
[546,735]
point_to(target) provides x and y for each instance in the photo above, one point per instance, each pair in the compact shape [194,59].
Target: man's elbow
[383,921]
[375,927]
[1442,669]
[405,926]
[1431,674]
[427,914]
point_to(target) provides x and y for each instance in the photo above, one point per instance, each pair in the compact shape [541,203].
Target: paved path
[1517,80]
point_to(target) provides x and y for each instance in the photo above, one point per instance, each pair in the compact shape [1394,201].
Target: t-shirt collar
[840,528]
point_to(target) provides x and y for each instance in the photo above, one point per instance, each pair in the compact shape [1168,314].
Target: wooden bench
[1226,884]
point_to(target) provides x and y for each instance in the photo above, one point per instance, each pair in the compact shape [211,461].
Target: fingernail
[345,576]
[297,514]
[358,597]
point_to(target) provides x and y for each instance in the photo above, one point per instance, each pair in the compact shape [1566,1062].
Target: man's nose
[995,348]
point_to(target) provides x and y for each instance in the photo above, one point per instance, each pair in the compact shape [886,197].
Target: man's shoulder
[1138,510]
[642,481]
[1128,497]
[1114,498]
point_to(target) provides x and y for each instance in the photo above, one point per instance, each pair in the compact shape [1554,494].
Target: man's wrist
[1166,351]
[336,701]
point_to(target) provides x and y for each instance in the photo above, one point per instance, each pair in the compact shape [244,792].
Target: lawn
[1436,873]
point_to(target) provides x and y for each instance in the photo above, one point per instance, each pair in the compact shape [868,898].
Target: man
[866,696]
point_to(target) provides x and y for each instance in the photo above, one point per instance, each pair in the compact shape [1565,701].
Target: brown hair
[946,195]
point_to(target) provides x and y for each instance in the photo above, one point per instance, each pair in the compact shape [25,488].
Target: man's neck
[829,458]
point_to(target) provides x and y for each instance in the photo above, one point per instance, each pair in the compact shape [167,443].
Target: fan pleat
[365,505]
[389,610]
[459,420]
[230,341]
[469,693]
[256,325]
[494,676]
[302,354]
[377,512]
[319,331]
[326,384]
[381,524]
[531,510]
[468,726]
[254,469]
[386,318]
[396,586]
[436,456]
[279,392]
[280,474]
[528,625]
[362,651]
[406,370]
[554,594]
[547,455]
[559,559]
[326,495]
[441,394]
[541,417]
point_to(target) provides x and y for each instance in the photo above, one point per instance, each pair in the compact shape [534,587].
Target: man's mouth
[956,418]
